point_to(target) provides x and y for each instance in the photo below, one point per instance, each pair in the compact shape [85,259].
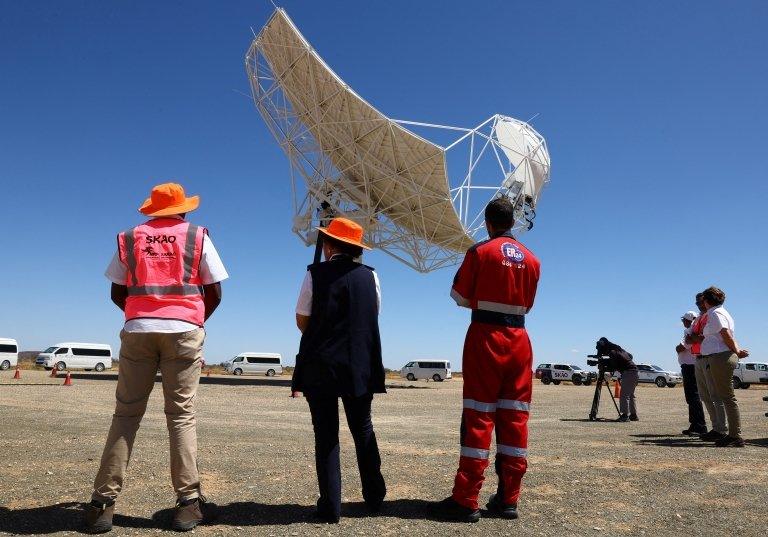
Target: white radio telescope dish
[349,159]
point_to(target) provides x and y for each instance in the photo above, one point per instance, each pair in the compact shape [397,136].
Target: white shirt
[304,304]
[686,357]
[211,271]
[717,319]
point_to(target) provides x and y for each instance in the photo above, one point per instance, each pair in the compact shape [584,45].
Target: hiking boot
[98,516]
[452,511]
[712,436]
[188,514]
[623,418]
[729,441]
[633,417]
[497,506]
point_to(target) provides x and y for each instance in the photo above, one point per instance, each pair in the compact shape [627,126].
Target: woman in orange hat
[340,356]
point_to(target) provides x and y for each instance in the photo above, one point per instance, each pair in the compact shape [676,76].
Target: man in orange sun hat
[166,277]
[340,356]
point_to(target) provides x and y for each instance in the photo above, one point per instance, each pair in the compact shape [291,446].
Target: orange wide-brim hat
[345,230]
[169,199]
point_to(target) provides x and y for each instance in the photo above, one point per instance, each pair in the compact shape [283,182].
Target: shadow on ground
[242,514]
[55,518]
[230,381]
[587,420]
[69,516]
[668,440]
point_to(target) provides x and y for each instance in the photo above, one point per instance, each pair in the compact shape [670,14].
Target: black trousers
[695,410]
[325,421]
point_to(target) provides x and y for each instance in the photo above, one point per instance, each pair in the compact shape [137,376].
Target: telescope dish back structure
[349,159]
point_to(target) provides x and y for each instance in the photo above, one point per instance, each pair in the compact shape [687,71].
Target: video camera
[603,363]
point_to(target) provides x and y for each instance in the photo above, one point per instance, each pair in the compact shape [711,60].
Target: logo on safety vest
[149,251]
[512,254]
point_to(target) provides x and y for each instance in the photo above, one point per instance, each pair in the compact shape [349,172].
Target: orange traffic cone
[54,373]
[17,374]
[68,380]
[617,389]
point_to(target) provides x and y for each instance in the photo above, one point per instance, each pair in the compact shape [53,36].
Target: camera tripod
[596,399]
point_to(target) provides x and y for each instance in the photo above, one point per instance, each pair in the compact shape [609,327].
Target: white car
[660,377]
[747,373]
[437,370]
[73,355]
[557,373]
[9,353]
[255,363]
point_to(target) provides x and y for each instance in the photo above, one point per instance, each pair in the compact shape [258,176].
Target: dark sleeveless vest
[340,351]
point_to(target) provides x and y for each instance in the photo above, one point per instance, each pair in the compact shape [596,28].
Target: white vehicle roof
[261,354]
[743,363]
[428,360]
[82,345]
[7,340]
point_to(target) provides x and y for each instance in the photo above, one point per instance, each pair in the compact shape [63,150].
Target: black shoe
[497,506]
[633,417]
[325,517]
[729,441]
[712,436]
[374,506]
[450,510]
[693,431]
[623,418]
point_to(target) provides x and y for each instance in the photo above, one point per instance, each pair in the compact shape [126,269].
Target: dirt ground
[256,458]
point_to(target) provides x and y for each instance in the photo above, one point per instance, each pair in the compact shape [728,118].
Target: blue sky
[654,113]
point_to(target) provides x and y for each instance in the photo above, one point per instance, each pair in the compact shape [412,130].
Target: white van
[437,370]
[255,363]
[72,355]
[9,353]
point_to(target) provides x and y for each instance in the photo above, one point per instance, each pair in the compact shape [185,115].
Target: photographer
[621,361]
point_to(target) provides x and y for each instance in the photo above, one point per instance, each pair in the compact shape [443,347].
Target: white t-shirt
[211,271]
[304,304]
[685,357]
[717,319]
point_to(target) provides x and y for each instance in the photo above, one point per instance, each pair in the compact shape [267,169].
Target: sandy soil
[256,458]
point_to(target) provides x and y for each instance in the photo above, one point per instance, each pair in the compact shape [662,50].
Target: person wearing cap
[166,277]
[340,357]
[623,363]
[687,361]
[497,280]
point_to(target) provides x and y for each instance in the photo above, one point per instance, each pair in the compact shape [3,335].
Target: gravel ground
[256,458]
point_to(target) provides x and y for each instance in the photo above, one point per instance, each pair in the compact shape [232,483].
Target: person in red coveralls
[497,281]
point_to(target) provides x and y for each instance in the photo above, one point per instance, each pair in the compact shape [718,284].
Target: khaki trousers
[721,366]
[706,385]
[177,356]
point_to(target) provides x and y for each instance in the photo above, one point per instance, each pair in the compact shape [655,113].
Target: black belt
[501,319]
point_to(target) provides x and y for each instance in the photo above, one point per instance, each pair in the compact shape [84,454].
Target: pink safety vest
[163,259]
[698,329]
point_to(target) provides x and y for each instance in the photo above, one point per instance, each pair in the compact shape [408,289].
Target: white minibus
[9,353]
[72,355]
[437,370]
[255,363]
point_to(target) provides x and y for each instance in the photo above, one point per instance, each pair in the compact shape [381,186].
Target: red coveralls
[497,280]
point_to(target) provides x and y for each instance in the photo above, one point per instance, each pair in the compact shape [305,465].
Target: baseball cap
[689,315]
